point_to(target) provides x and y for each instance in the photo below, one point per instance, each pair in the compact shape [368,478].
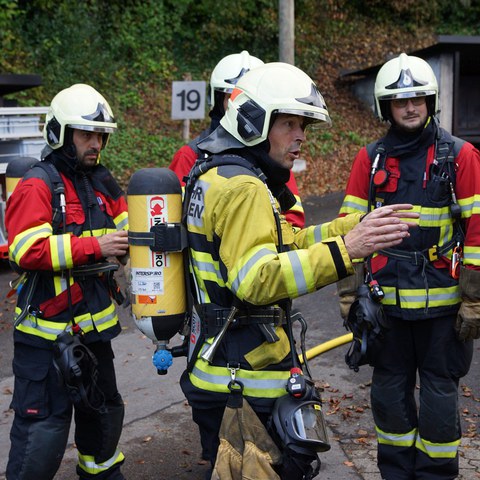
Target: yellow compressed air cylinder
[158,295]
[16,169]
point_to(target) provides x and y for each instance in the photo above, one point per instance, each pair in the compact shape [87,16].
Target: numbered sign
[188,100]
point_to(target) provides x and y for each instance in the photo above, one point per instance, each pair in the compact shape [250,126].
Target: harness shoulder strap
[448,148]
[50,175]
[375,148]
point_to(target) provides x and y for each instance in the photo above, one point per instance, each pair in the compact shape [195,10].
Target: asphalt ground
[159,439]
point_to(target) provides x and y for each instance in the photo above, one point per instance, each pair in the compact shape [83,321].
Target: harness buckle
[433,253]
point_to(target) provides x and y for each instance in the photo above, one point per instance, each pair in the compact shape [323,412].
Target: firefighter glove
[347,289]
[468,318]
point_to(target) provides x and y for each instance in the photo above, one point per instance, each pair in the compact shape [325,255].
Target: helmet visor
[313,119]
[93,128]
[309,426]
[416,93]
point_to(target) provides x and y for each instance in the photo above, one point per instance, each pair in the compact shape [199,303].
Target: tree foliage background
[132,50]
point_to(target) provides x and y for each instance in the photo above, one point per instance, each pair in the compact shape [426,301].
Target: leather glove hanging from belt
[347,289]
[468,318]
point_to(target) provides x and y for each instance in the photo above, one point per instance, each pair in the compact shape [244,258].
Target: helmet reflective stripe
[229,70]
[267,90]
[405,76]
[80,107]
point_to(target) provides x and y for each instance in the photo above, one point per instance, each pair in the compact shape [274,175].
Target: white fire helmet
[405,76]
[79,107]
[229,70]
[267,90]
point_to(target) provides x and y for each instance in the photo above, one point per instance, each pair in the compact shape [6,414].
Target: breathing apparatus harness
[297,420]
[74,362]
[442,176]
[366,318]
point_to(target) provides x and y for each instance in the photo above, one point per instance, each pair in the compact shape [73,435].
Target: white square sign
[188,100]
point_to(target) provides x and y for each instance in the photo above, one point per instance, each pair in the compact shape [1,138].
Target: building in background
[454,60]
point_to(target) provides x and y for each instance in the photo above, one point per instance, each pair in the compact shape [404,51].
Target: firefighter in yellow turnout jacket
[244,254]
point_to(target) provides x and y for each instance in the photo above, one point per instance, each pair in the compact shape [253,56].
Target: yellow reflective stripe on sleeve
[396,439]
[297,273]
[471,255]
[260,384]
[121,221]
[470,205]
[23,241]
[318,233]
[353,204]
[438,450]
[61,252]
[87,462]
[243,274]
[437,297]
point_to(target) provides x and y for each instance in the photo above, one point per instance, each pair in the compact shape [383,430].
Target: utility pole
[286,37]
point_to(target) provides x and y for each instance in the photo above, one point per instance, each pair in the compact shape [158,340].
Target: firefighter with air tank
[245,264]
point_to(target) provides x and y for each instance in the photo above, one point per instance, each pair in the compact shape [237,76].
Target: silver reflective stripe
[244,271]
[397,439]
[256,384]
[206,267]
[298,273]
[349,204]
[105,319]
[31,322]
[26,238]
[317,234]
[121,225]
[91,467]
[60,241]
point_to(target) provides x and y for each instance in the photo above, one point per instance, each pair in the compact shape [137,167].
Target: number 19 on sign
[188,100]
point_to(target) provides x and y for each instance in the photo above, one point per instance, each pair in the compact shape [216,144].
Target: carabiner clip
[457,256]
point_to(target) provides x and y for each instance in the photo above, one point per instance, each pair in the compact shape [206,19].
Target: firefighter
[248,262]
[65,318]
[222,81]
[432,301]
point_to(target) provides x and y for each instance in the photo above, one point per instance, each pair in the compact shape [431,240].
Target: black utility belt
[419,257]
[214,317]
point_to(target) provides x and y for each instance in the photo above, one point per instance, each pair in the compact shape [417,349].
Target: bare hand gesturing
[382,228]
